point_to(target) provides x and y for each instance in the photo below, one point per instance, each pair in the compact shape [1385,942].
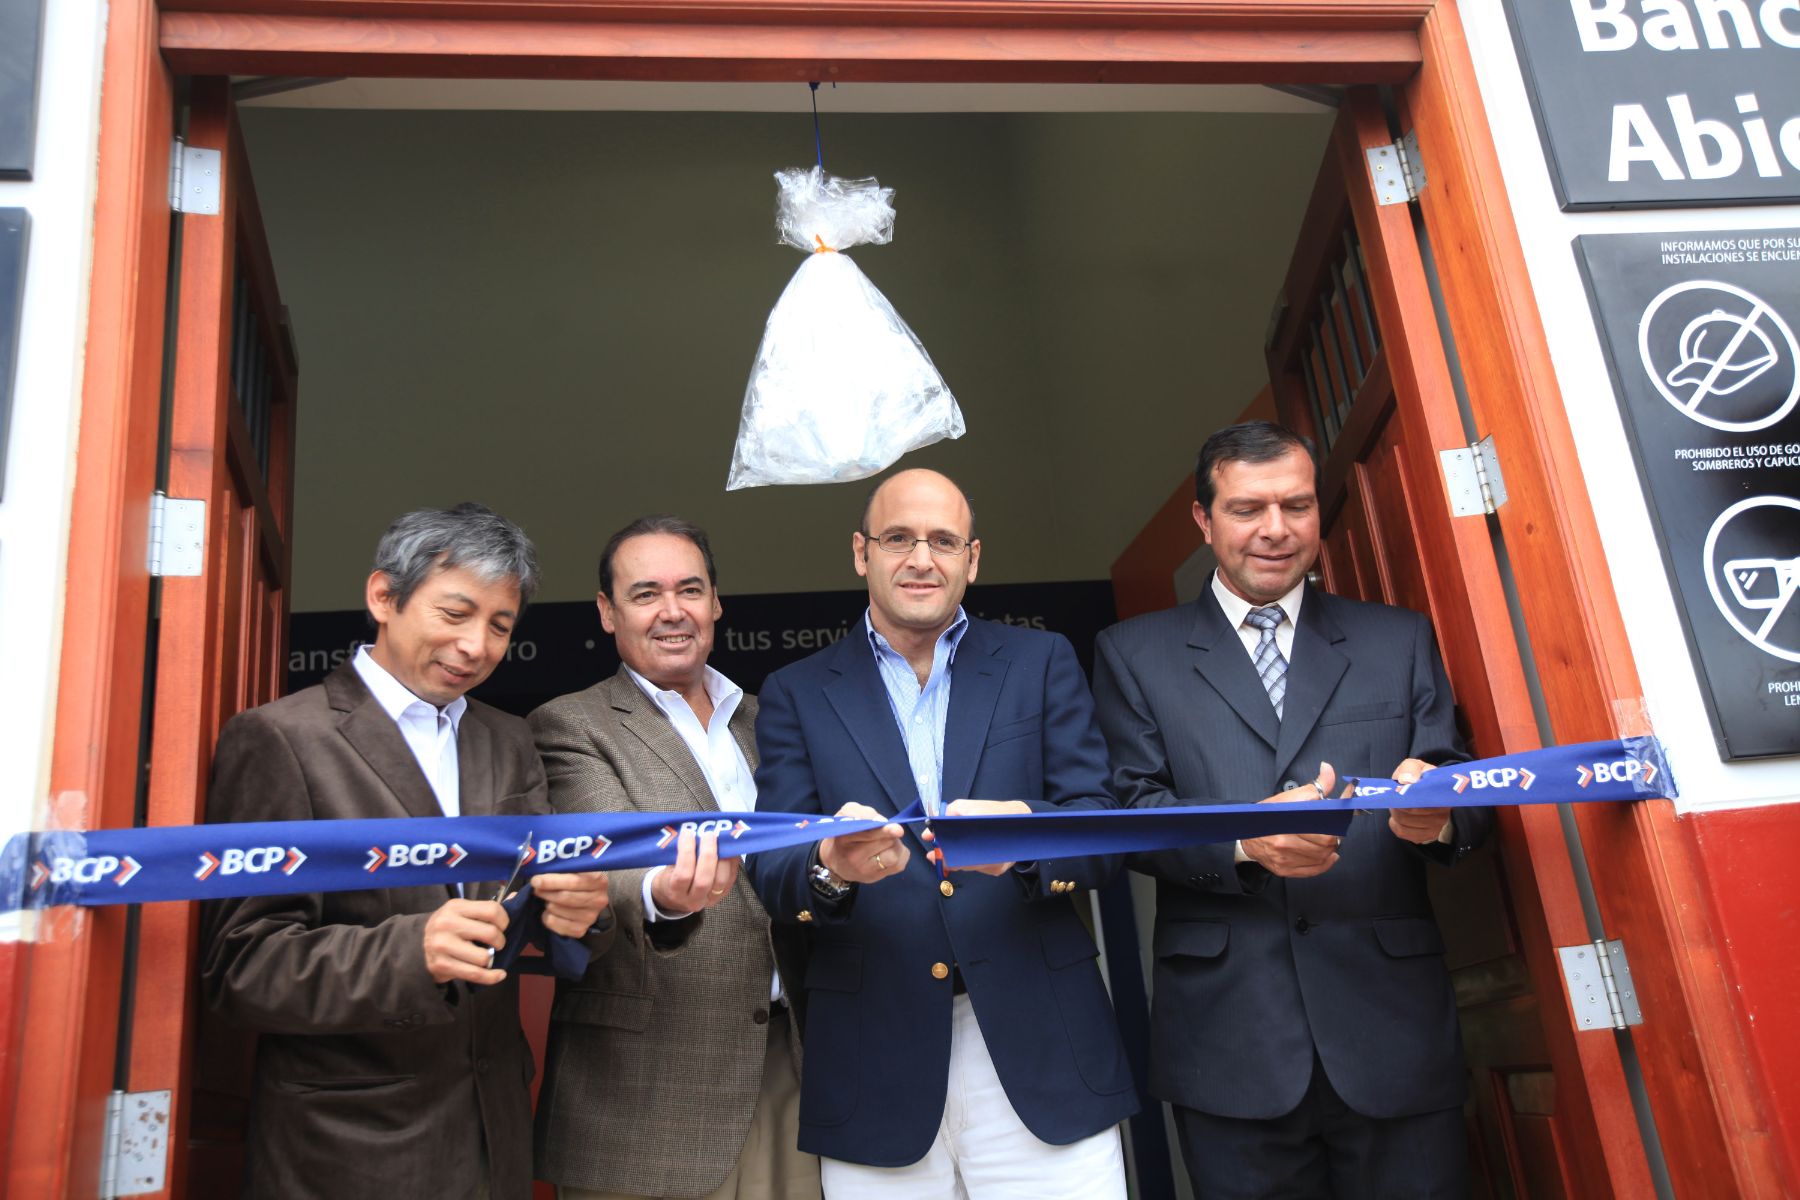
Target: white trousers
[982,1150]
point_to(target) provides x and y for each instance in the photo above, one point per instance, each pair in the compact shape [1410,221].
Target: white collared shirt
[716,752]
[1236,608]
[430,732]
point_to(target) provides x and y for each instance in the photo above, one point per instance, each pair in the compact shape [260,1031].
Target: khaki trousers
[769,1167]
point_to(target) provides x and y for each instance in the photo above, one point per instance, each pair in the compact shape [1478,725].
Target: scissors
[524,856]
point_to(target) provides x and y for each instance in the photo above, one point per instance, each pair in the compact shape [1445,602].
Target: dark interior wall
[555,313]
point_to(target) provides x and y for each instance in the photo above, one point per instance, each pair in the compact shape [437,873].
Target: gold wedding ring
[719,892]
[879,865]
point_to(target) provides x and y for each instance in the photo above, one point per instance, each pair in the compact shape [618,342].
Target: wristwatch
[825,885]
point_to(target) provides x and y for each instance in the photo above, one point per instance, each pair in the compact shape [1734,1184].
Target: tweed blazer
[372,1080]
[655,1057]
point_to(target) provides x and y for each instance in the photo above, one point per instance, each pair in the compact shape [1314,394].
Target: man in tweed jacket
[673,1066]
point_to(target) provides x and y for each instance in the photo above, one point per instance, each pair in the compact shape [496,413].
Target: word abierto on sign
[1665,101]
[202,862]
[1711,145]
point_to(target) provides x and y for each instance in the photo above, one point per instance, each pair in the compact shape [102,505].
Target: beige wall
[554,313]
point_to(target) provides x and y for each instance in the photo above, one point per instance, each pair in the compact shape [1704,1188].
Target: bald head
[927,557]
[915,478]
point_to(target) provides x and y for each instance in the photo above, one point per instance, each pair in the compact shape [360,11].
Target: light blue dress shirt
[921,712]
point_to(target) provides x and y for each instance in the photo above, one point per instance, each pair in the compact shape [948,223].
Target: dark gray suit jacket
[1253,971]
[371,1080]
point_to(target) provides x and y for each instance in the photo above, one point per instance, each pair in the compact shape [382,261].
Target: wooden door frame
[1697,1068]
[1467,605]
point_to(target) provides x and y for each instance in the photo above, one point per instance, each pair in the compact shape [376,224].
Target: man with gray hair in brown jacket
[391,1062]
[670,1073]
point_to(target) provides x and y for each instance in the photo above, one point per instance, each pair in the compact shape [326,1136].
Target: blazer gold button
[805,915]
[946,887]
[940,971]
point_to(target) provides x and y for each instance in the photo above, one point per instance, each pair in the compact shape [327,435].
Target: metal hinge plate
[1472,477]
[1397,171]
[177,536]
[1601,993]
[135,1156]
[194,179]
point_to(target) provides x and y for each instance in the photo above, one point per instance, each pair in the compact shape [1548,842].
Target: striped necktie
[1267,656]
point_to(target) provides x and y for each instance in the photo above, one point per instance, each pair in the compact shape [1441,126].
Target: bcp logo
[251,860]
[1624,770]
[719,827]
[416,854]
[562,849]
[118,868]
[1494,777]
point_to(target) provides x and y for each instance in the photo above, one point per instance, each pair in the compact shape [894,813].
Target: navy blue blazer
[1020,727]
[1254,971]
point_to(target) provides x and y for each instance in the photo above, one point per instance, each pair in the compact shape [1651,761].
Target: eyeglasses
[945,545]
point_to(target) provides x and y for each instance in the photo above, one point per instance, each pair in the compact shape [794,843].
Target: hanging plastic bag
[841,387]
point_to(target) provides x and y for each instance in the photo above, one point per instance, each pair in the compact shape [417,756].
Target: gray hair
[470,536]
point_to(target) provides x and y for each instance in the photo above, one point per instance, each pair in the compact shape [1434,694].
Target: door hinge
[1472,476]
[194,179]
[177,536]
[135,1149]
[1601,994]
[1397,171]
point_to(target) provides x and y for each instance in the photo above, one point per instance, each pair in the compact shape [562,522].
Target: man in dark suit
[959,1041]
[391,1062]
[668,733]
[1303,1024]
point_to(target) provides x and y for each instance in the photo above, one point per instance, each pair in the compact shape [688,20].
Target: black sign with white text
[15,226]
[1657,103]
[21,48]
[560,647]
[1699,331]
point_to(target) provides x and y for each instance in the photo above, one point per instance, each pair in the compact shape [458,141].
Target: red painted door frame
[1696,1065]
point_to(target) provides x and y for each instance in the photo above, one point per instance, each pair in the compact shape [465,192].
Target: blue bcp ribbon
[202,862]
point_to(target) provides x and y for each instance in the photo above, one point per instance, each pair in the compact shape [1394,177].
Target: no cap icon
[1720,355]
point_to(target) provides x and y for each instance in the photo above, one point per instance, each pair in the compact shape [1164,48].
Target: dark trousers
[1325,1151]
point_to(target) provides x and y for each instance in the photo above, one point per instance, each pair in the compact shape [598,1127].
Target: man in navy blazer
[1303,1023]
[959,1040]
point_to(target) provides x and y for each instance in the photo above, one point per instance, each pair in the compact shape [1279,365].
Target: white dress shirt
[716,753]
[430,732]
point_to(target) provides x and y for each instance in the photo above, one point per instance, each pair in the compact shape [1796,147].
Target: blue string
[818,142]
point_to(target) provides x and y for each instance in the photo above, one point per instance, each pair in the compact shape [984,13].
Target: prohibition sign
[1720,352]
